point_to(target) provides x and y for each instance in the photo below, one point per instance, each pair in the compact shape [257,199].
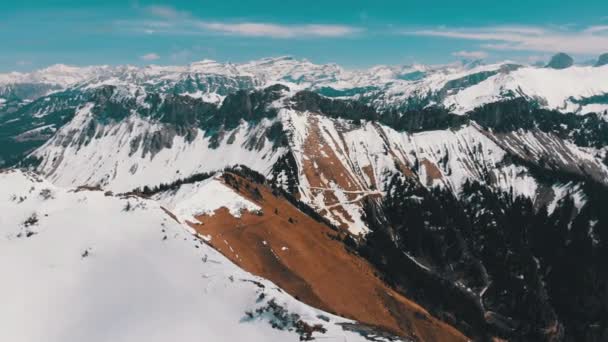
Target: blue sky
[353,33]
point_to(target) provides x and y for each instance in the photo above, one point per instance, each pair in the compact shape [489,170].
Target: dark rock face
[602,60]
[249,105]
[560,61]
[412,120]
[424,119]
[353,110]
[459,84]
[221,85]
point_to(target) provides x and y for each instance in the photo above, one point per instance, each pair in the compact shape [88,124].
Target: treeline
[413,119]
[148,191]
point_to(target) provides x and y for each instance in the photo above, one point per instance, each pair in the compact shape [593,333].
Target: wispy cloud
[597,29]
[471,54]
[166,12]
[149,57]
[252,29]
[168,20]
[590,40]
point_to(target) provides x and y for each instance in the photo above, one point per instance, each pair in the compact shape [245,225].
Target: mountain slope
[275,240]
[333,162]
[88,265]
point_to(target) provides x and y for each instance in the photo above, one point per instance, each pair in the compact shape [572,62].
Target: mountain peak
[560,61]
[472,63]
[278,59]
[60,68]
[602,60]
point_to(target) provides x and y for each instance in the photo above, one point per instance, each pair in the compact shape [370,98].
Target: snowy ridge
[121,269]
[554,89]
[459,86]
[59,74]
[117,157]
[341,164]
[204,198]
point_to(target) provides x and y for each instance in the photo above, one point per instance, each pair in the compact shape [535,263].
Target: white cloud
[166,12]
[591,40]
[471,54]
[149,57]
[168,20]
[252,29]
[597,29]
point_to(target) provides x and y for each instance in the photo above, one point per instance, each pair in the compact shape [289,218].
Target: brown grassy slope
[301,257]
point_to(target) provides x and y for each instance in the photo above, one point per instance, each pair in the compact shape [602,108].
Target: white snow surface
[570,189]
[88,269]
[554,88]
[204,198]
[58,74]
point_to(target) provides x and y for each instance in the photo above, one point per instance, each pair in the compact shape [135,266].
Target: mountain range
[424,203]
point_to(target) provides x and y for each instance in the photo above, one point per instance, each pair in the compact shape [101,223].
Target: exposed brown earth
[323,166]
[305,258]
[432,171]
[329,168]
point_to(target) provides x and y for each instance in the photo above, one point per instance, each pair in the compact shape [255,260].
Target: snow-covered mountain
[333,163]
[437,176]
[81,264]
[459,86]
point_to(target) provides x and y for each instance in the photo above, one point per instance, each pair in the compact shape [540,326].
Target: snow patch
[204,198]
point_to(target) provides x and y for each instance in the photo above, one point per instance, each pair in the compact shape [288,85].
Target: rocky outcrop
[560,61]
[308,101]
[602,60]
